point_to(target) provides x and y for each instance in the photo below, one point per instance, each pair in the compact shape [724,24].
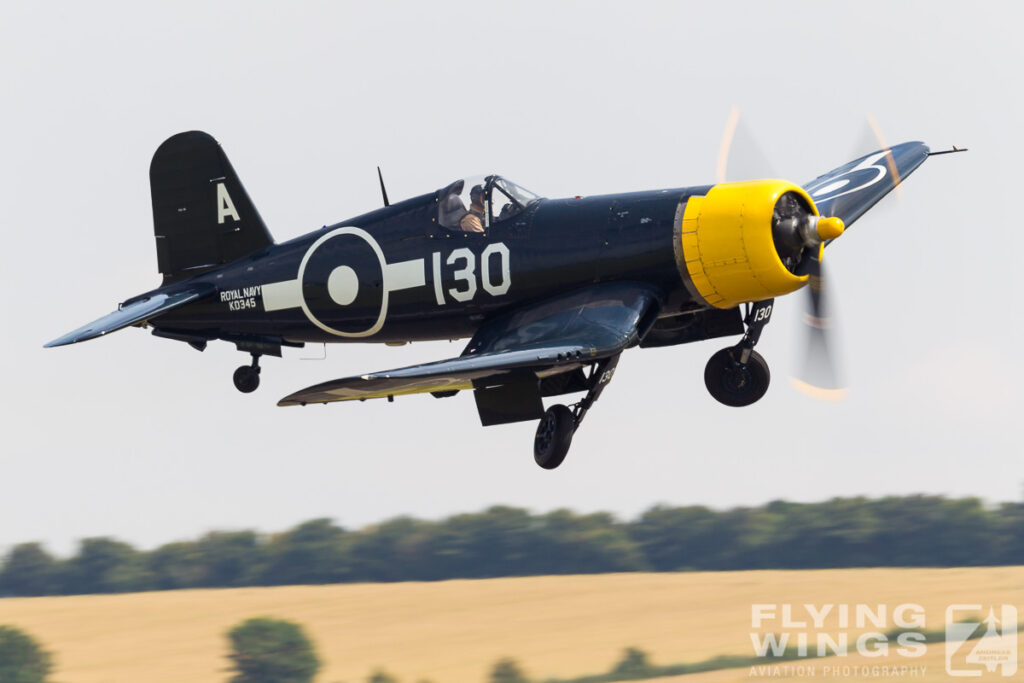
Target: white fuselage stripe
[405,275]
[278,296]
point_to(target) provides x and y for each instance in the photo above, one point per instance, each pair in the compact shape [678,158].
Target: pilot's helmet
[477,194]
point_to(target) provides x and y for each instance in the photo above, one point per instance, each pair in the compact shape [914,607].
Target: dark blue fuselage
[395,274]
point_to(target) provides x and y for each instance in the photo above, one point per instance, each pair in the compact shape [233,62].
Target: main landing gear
[559,423]
[554,436]
[247,377]
[738,376]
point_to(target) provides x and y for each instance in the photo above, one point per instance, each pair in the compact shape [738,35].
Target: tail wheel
[554,435]
[736,384]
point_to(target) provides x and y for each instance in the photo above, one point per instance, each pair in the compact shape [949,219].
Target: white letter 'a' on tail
[225,207]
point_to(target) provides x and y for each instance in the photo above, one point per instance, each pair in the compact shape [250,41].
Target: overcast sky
[147,440]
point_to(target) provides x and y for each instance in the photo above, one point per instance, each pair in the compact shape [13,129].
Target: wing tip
[63,341]
[292,399]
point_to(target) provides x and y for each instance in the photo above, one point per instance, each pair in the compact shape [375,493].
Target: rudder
[202,215]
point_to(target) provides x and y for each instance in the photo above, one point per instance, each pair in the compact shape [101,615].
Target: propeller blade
[878,139]
[818,377]
[871,139]
[739,155]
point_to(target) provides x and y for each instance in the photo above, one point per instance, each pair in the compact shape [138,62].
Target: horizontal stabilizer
[135,313]
[850,190]
[569,330]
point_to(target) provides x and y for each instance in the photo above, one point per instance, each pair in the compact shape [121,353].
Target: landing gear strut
[559,424]
[247,377]
[739,376]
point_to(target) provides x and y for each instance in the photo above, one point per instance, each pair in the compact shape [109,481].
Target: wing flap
[850,190]
[135,313]
[445,375]
[566,331]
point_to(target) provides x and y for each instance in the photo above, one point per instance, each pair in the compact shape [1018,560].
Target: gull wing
[568,330]
[850,190]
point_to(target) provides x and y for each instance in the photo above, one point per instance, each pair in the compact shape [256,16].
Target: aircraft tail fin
[202,215]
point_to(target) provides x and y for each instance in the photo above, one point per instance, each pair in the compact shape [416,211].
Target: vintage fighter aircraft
[549,291]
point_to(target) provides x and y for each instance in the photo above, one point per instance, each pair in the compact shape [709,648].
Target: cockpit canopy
[474,204]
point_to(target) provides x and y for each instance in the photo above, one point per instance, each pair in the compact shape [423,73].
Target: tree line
[909,531]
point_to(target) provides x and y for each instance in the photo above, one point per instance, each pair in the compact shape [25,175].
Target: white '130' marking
[493,280]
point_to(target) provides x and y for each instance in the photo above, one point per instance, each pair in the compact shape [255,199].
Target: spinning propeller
[800,238]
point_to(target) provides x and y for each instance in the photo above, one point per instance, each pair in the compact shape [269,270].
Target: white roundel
[865,173]
[343,285]
[831,187]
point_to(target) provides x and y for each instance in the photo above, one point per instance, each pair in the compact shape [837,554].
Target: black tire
[553,437]
[247,379]
[737,384]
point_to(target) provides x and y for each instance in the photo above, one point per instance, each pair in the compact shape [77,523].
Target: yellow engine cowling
[727,246]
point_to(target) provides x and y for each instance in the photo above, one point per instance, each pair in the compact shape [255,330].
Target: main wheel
[736,384]
[554,434]
[247,378]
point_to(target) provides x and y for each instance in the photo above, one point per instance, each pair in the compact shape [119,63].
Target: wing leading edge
[568,330]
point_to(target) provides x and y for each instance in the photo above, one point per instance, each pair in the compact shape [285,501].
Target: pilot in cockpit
[473,221]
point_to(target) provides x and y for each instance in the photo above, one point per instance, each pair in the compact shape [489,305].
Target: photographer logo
[974,648]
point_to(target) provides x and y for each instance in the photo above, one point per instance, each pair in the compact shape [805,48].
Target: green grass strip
[739,661]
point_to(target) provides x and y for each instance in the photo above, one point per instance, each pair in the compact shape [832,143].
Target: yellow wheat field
[453,631]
